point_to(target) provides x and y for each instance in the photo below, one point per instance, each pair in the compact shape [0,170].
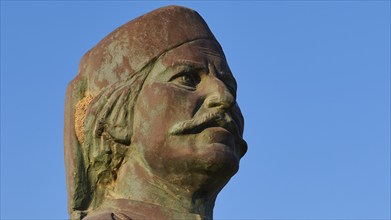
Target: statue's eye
[187,79]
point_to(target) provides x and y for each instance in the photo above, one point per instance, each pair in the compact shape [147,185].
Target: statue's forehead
[200,52]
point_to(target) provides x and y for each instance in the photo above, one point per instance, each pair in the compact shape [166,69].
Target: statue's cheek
[167,99]
[160,106]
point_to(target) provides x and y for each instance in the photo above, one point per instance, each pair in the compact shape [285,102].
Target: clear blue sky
[314,87]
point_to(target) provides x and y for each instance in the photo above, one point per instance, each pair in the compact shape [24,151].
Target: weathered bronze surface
[152,127]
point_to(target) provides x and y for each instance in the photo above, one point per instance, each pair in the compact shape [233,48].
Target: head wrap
[130,47]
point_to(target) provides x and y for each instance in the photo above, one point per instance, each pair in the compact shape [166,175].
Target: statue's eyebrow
[180,65]
[190,63]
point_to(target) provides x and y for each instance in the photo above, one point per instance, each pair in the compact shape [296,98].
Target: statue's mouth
[214,119]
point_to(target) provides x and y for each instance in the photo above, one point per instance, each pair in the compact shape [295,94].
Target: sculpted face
[186,119]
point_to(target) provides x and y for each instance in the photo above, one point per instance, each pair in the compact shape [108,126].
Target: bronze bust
[152,127]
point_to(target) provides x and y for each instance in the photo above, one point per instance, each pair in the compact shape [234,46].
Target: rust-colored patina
[152,127]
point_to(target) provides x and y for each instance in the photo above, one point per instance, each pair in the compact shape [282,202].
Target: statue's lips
[218,135]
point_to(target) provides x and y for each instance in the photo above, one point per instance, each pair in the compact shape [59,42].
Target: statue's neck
[137,185]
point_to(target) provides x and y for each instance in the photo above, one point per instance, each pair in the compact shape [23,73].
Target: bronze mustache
[196,125]
[213,119]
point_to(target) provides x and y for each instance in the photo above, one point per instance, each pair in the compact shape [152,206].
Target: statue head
[158,92]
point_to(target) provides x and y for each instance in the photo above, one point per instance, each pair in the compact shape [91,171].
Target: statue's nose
[220,96]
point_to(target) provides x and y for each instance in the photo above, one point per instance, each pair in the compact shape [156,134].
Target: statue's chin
[211,168]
